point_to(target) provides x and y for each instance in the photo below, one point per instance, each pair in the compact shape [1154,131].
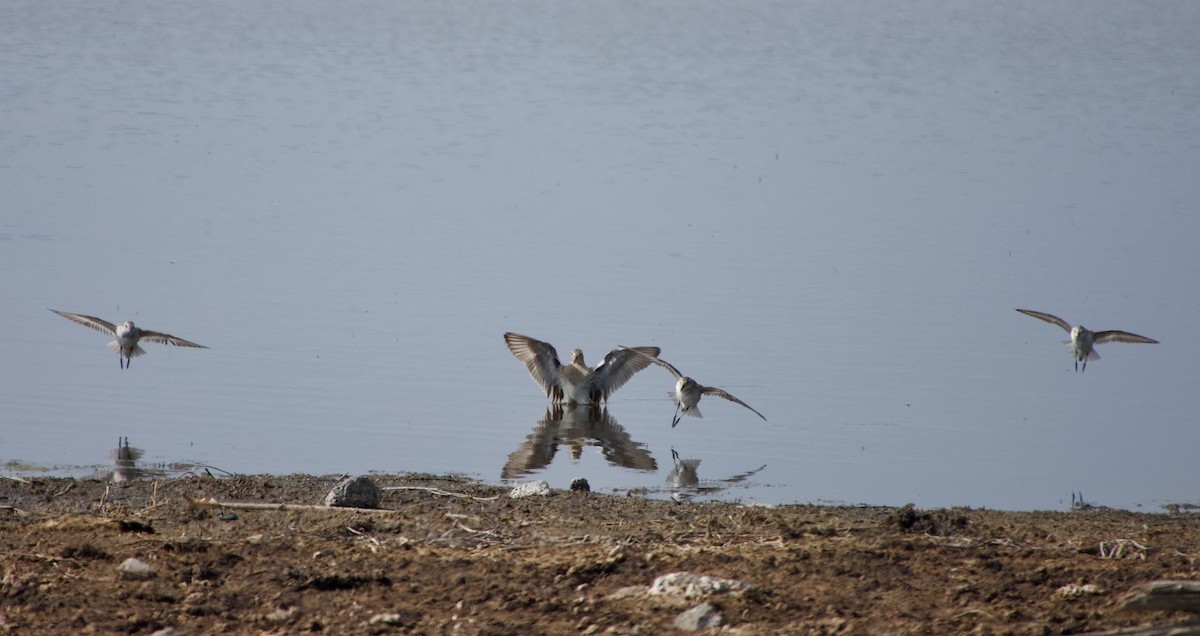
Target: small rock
[1166,595]
[354,492]
[169,631]
[690,585]
[1072,590]
[132,568]
[531,489]
[386,619]
[700,617]
[580,485]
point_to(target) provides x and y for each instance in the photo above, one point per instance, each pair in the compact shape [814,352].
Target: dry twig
[213,503]
[439,491]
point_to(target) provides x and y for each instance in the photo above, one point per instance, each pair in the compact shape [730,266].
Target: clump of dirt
[941,523]
[454,555]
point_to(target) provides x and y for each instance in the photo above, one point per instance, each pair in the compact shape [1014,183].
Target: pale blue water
[829,209]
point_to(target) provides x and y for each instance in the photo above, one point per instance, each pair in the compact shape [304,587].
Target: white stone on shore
[132,568]
[530,489]
[1072,590]
[690,585]
[386,619]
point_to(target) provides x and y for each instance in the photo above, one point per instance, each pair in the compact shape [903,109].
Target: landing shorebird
[576,382]
[128,335]
[1082,340]
[688,393]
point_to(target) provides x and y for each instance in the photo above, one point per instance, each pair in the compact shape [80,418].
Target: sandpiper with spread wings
[576,382]
[688,393]
[1082,340]
[128,335]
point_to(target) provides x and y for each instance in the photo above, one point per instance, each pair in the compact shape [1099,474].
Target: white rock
[386,619]
[690,585]
[132,568]
[1072,590]
[531,489]
[699,617]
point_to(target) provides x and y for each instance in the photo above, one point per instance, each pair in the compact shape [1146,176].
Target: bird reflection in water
[577,426]
[124,461]
[684,479]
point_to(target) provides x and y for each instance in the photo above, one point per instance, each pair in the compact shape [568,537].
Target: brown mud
[488,564]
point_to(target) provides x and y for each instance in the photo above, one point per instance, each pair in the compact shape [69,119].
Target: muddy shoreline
[477,562]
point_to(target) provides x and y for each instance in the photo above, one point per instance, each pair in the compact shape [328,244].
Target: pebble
[531,489]
[580,485]
[700,617]
[132,568]
[1072,590]
[354,492]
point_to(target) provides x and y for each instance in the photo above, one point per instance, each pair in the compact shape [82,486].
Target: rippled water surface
[829,209]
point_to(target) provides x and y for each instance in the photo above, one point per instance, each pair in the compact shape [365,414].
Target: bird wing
[1121,336]
[166,338]
[620,365]
[89,321]
[540,358]
[644,351]
[708,390]
[537,451]
[1050,318]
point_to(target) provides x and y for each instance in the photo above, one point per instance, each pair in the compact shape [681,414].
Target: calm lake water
[829,209]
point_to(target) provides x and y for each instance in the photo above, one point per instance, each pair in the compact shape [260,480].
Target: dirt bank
[557,564]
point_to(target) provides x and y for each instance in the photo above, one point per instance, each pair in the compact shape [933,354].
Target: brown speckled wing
[540,358]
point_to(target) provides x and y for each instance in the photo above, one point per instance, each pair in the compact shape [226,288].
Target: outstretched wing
[1121,336]
[103,326]
[1050,318]
[168,339]
[708,390]
[655,359]
[620,365]
[540,358]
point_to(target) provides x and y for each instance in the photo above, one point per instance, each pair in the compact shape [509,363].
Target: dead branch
[438,491]
[213,503]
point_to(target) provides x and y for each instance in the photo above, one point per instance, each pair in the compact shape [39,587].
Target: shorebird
[688,393]
[128,335]
[1082,339]
[576,382]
